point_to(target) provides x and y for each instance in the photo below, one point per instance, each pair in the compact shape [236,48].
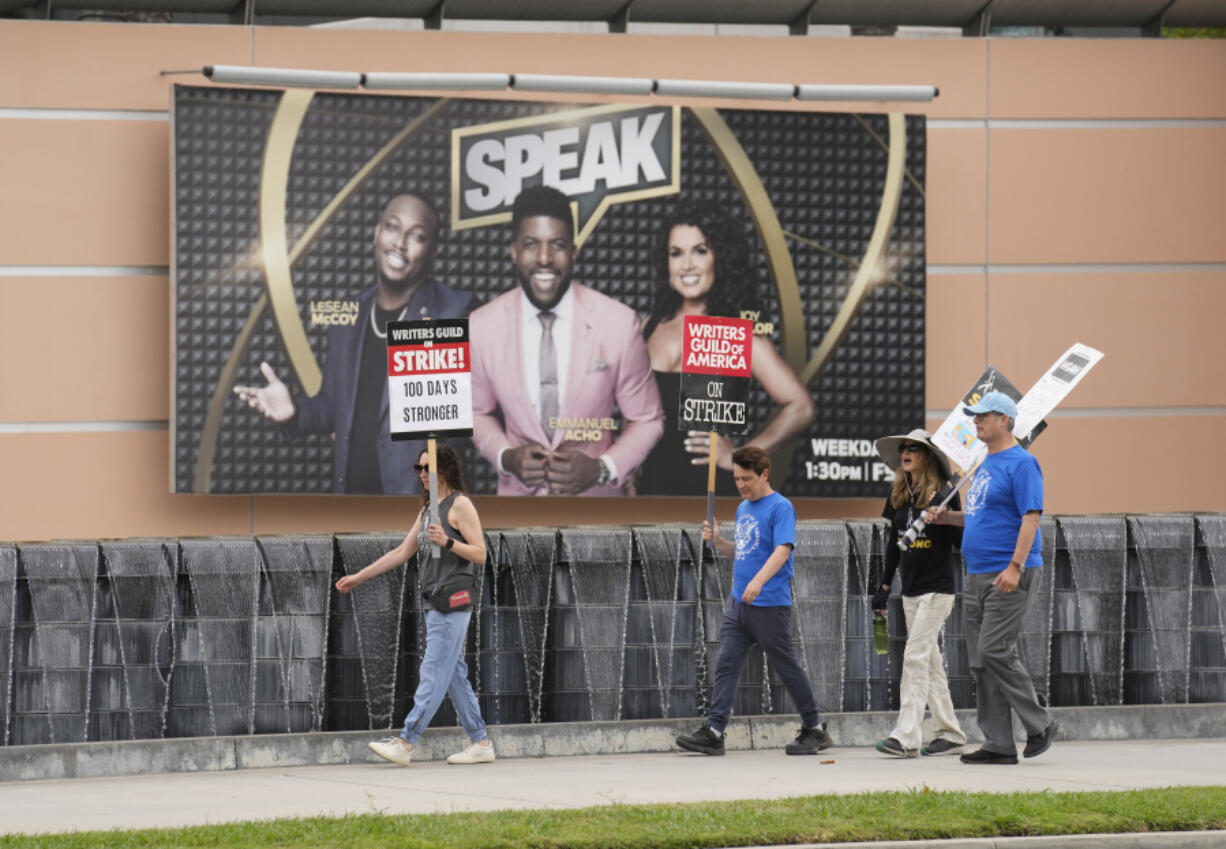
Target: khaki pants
[923,673]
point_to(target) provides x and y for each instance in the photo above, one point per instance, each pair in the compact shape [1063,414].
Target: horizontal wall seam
[1074,123]
[84,271]
[1076,268]
[50,114]
[1069,413]
[1116,412]
[40,114]
[82,427]
[941,268]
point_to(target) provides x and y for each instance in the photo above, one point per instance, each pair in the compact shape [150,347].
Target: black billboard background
[823,172]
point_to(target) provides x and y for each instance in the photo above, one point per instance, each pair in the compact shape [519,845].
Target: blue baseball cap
[994,402]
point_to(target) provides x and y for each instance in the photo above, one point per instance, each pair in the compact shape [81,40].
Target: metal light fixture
[923,93]
[255,75]
[381,81]
[738,90]
[583,85]
[636,86]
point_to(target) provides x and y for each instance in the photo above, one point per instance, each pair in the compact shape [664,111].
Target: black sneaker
[941,746]
[809,741]
[1037,744]
[891,746]
[703,740]
[983,756]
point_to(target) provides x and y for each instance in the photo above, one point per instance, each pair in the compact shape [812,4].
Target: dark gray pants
[771,628]
[993,622]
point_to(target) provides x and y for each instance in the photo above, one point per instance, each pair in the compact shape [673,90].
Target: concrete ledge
[561,739]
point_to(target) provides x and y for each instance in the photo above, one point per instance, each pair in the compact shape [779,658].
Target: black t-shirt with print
[928,566]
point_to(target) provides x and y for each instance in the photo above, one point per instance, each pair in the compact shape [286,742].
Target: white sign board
[429,379]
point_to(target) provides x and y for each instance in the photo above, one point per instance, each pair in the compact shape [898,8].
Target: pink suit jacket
[608,366]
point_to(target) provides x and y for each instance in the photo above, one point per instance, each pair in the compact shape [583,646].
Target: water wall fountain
[136,639]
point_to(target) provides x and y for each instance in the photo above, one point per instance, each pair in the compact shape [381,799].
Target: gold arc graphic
[274,251]
[869,271]
[792,331]
[749,185]
[203,478]
[885,146]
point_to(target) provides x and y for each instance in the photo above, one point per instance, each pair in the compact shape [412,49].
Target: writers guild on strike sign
[429,380]
[715,373]
[714,403]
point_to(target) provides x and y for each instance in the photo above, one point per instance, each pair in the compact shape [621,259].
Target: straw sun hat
[887,447]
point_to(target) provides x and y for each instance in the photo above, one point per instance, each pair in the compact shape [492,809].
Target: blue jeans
[771,628]
[444,672]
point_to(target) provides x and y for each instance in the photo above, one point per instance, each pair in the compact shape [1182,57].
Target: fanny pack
[453,597]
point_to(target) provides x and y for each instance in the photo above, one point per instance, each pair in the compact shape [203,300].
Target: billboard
[306,222]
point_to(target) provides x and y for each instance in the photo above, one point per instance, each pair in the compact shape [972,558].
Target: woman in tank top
[448,582]
[703,268]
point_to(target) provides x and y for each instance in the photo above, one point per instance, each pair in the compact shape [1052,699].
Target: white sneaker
[474,754]
[392,749]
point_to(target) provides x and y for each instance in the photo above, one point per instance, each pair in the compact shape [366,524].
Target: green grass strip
[912,815]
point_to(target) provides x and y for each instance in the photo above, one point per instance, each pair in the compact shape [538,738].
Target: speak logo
[596,157]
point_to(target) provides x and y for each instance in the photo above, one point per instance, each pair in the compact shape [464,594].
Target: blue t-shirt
[1008,485]
[762,526]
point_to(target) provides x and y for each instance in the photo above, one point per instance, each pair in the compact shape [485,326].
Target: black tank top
[448,568]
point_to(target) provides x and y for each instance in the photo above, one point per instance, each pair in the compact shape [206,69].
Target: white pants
[923,673]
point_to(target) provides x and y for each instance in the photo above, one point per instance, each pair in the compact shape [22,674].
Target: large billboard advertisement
[576,239]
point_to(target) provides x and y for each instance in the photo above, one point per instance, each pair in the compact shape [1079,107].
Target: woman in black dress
[703,268]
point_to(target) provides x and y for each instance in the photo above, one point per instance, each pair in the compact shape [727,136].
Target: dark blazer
[331,411]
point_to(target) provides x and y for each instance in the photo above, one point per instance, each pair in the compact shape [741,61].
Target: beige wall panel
[84,192]
[1107,78]
[1161,332]
[61,65]
[1082,472]
[956,203]
[1131,464]
[955,66]
[1107,195]
[954,347]
[325,514]
[103,485]
[115,364]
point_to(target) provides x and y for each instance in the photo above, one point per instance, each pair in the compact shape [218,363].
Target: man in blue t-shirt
[1002,547]
[759,609]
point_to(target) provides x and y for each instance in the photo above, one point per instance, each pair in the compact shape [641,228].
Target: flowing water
[136,639]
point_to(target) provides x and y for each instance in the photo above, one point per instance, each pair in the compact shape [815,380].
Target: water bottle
[881,635]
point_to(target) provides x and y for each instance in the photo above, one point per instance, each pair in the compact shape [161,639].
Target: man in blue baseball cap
[1002,548]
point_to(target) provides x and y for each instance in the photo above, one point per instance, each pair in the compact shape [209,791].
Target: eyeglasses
[912,447]
[420,468]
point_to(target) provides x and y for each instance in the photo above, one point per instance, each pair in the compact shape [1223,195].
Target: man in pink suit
[551,360]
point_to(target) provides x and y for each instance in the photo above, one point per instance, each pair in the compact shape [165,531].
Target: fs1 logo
[596,157]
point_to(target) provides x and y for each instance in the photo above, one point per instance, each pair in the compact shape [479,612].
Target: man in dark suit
[352,402]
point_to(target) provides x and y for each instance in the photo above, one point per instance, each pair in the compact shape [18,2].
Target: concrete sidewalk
[570,782]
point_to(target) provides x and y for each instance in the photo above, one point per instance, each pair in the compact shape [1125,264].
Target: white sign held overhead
[1054,386]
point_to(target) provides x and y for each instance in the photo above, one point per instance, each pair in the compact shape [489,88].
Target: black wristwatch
[450,543]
